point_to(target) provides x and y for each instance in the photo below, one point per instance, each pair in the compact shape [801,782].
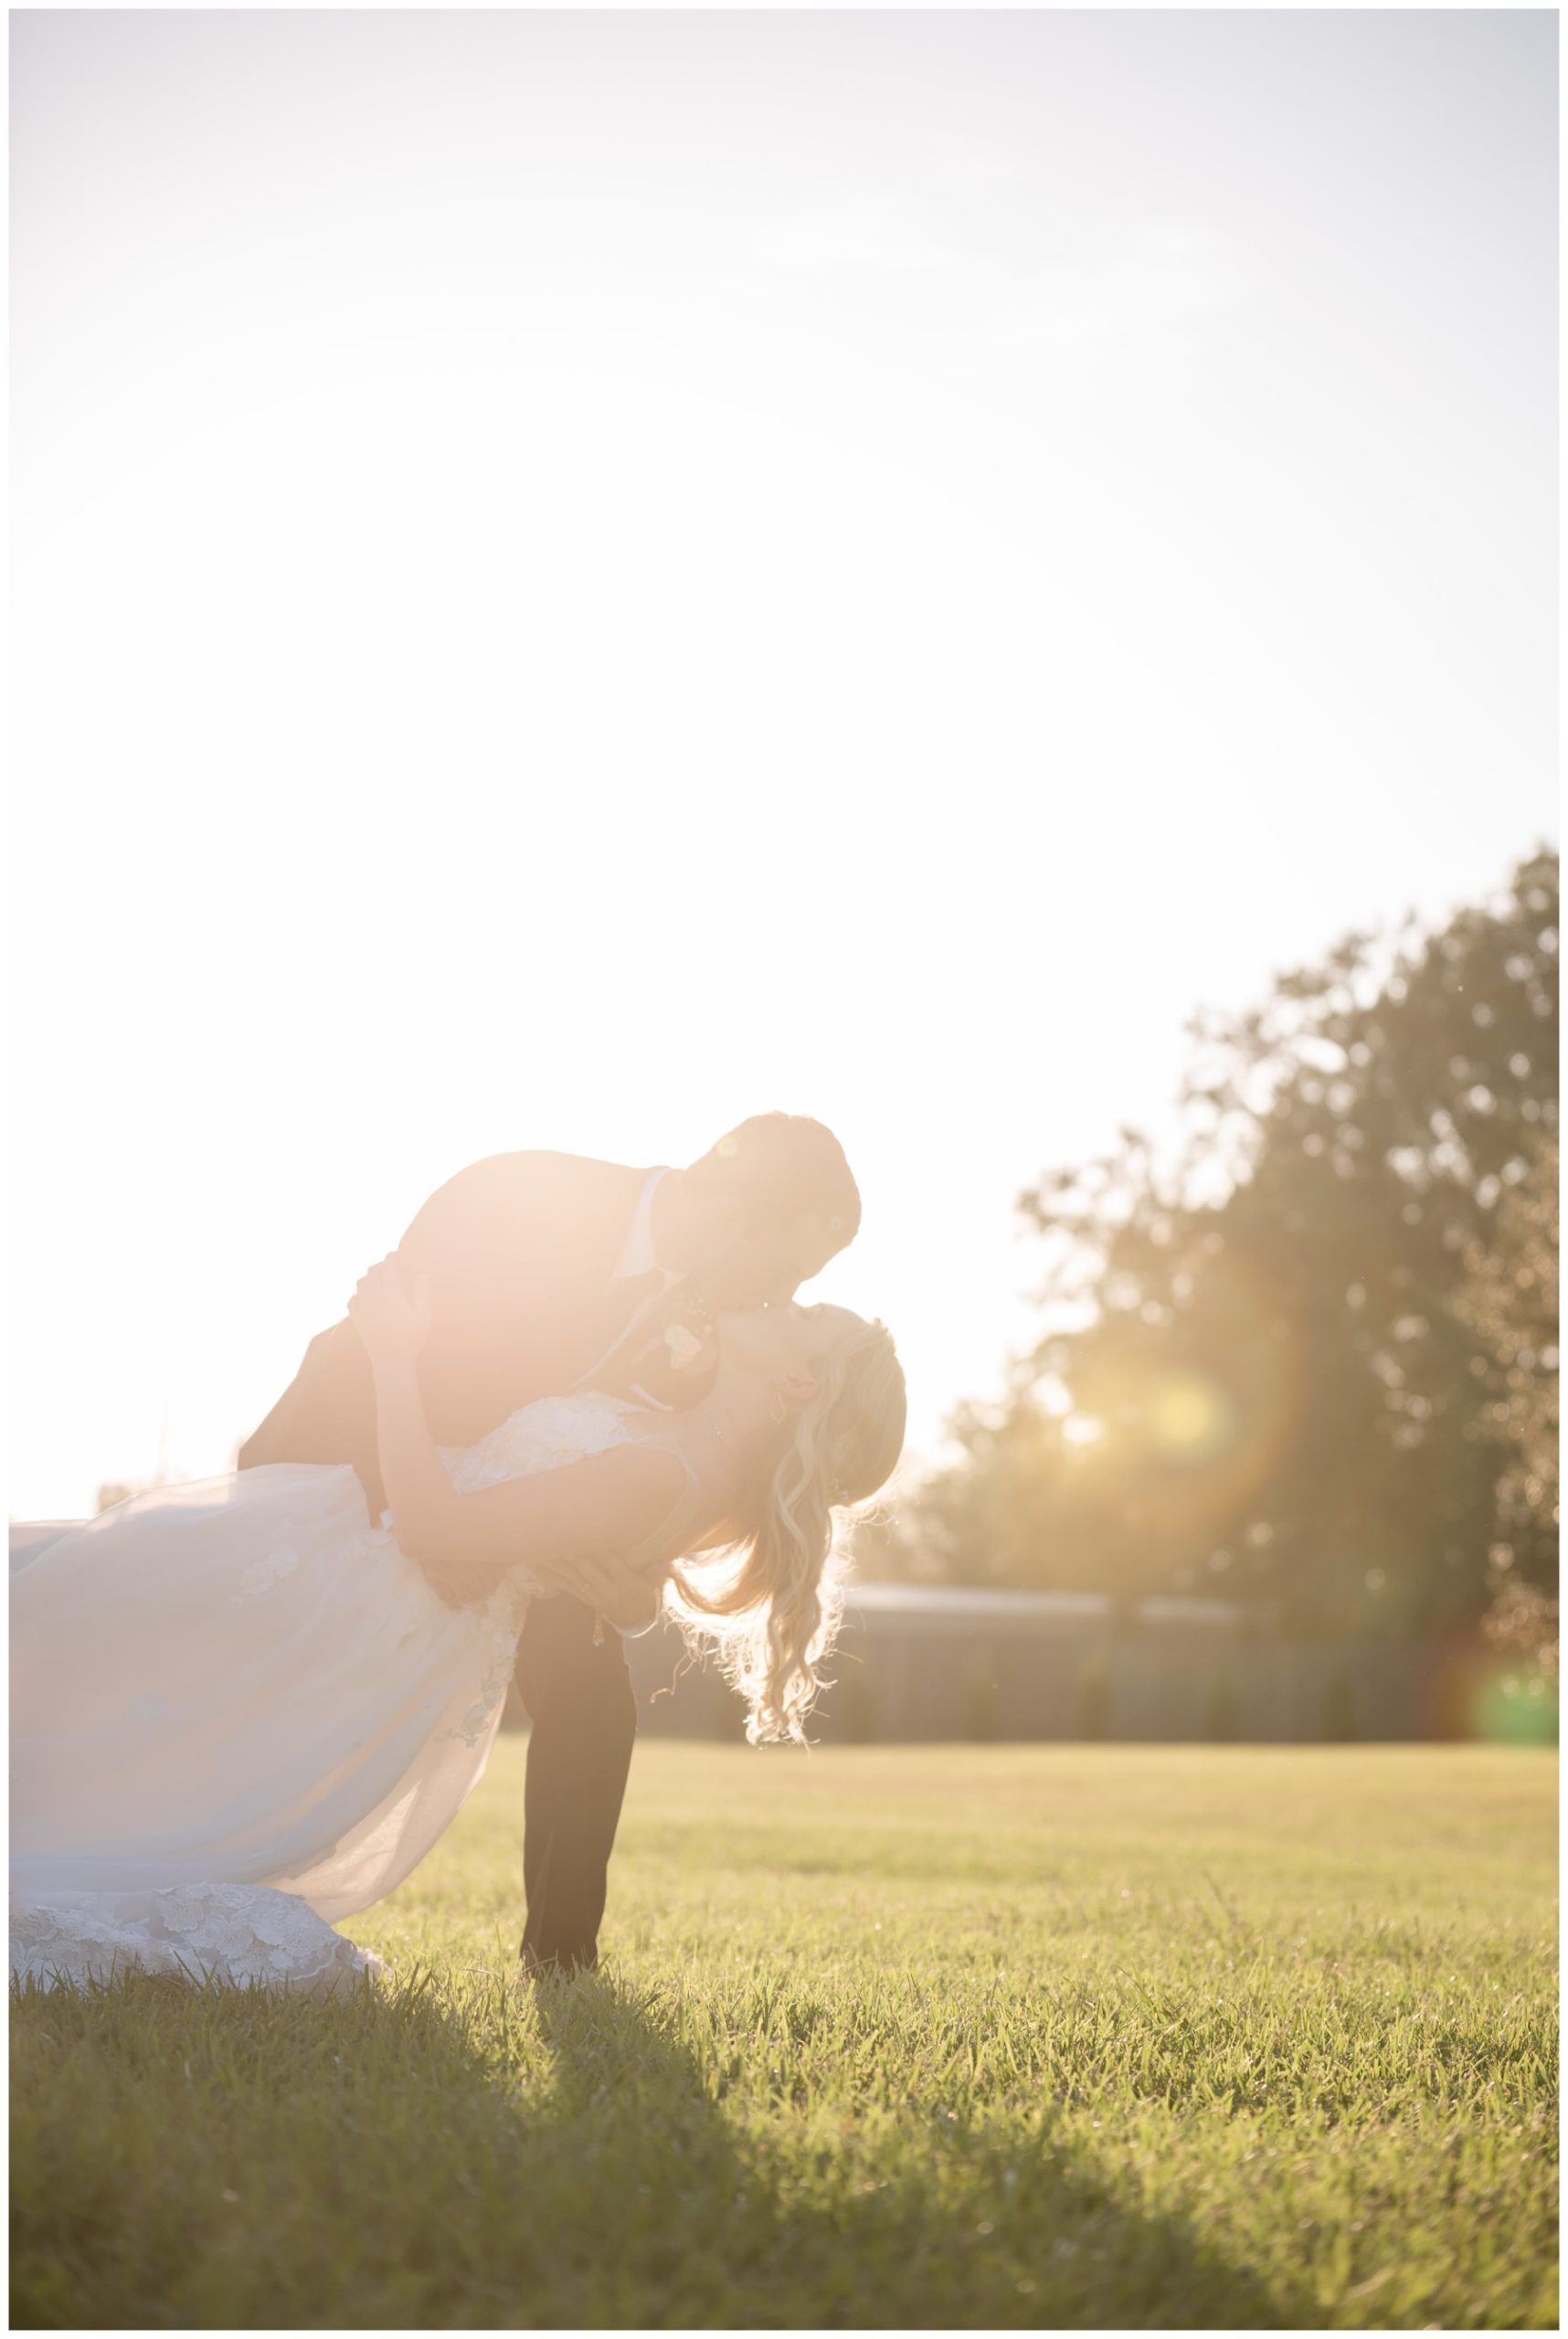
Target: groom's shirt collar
[637,1257]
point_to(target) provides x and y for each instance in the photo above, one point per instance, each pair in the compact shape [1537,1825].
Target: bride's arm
[560,1523]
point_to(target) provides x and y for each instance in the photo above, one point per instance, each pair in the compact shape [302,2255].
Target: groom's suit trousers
[584,1716]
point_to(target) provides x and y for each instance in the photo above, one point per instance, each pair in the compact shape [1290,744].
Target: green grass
[902,2037]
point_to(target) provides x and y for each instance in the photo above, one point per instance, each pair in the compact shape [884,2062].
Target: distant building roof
[965,1603]
[966,1600]
[1177,1608]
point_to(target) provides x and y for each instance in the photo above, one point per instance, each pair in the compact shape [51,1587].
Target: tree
[1511,1301]
[1274,1363]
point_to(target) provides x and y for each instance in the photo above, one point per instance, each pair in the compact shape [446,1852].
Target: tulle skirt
[239,1713]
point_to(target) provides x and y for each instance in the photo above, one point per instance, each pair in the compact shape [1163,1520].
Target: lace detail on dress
[263,1573]
[244,1934]
[550,1434]
[500,1621]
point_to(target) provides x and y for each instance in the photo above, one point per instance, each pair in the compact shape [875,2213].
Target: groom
[549,1273]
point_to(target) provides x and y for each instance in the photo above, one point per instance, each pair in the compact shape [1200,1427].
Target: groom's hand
[458,1586]
[616,1592]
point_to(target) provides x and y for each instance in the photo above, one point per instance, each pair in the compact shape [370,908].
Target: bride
[240,1711]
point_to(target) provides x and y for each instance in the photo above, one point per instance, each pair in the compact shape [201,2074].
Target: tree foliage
[1303,1353]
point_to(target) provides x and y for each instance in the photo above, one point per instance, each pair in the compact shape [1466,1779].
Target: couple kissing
[579,1396]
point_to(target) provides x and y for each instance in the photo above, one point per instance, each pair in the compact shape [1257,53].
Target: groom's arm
[496,1214]
[325,1415]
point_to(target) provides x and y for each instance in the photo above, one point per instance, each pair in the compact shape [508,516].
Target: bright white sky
[581,577]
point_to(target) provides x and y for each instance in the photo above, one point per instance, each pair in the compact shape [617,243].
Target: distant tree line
[1304,1352]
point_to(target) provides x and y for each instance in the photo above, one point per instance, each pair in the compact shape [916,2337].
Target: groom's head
[765,1210]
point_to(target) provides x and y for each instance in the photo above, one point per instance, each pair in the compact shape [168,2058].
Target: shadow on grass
[555,2159]
[727,2230]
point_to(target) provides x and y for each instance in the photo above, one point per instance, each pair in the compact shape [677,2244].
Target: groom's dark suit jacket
[520,1251]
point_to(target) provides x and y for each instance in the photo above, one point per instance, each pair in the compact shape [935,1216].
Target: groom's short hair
[781,1165]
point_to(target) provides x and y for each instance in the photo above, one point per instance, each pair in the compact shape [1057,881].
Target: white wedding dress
[240,1712]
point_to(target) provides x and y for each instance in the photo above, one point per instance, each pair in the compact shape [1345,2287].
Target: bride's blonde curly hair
[770,1603]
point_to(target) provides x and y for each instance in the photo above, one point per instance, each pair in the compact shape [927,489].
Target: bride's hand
[389,1321]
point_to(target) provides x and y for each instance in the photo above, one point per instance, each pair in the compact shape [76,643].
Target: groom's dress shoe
[556,1969]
